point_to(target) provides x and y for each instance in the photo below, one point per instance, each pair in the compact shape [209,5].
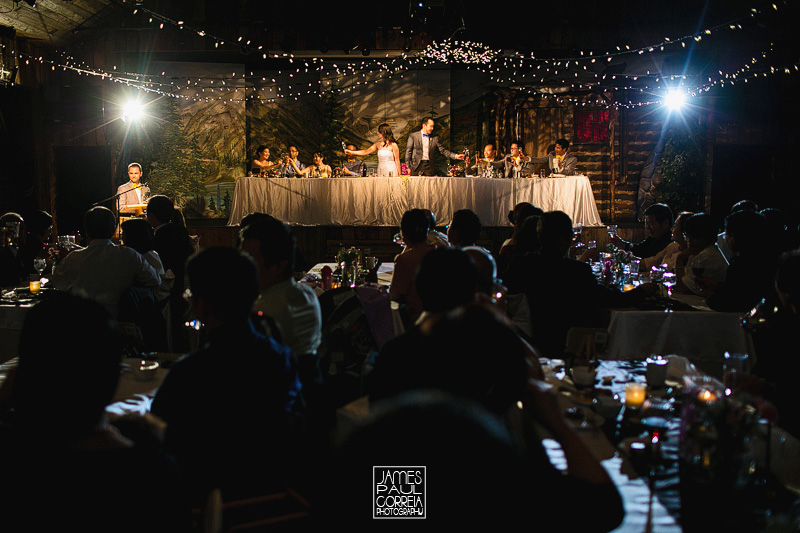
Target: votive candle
[34,286]
[635,394]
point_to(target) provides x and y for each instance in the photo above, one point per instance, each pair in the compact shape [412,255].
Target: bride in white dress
[388,152]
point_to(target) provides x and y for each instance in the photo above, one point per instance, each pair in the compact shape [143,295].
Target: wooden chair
[281,510]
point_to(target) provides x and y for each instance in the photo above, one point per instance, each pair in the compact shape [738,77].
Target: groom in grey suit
[420,150]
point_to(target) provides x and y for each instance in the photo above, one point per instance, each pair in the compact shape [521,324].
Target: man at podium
[132,193]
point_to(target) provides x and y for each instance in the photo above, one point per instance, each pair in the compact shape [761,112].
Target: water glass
[735,364]
[612,229]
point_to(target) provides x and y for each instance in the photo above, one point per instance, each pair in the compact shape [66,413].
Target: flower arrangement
[456,171]
[620,256]
[404,170]
[347,256]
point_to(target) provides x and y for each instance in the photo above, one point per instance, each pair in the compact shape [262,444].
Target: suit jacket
[525,169]
[414,150]
[570,162]
[129,196]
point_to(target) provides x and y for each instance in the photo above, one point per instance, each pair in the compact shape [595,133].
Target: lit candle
[34,286]
[635,394]
[707,396]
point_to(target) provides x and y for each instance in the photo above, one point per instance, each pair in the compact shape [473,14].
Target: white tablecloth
[382,201]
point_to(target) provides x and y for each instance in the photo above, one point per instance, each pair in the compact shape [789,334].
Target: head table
[382,201]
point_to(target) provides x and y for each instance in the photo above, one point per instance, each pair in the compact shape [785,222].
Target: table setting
[685,447]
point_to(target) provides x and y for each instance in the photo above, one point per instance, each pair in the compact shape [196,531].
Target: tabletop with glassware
[681,446]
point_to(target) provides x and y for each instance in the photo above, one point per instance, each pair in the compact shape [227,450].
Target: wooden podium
[128,212]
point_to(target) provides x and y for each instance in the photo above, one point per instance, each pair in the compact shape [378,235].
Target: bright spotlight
[674,99]
[132,111]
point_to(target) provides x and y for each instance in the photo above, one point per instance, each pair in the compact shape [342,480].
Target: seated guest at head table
[489,162]
[352,166]
[558,161]
[287,170]
[516,164]
[317,169]
[262,163]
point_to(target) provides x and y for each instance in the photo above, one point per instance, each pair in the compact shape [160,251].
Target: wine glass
[612,229]
[39,265]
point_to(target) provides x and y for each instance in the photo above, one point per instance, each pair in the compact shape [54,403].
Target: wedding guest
[741,205]
[561,292]
[749,277]
[261,164]
[705,259]
[69,469]
[403,289]
[287,168]
[517,217]
[317,169]
[489,161]
[516,163]
[293,308]
[447,278]
[104,271]
[171,241]
[559,161]
[657,224]
[232,407]
[675,254]
[464,229]
[40,226]
[435,237]
[352,166]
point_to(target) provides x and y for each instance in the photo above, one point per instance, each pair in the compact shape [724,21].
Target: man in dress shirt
[559,161]
[286,169]
[352,166]
[103,271]
[293,308]
[517,164]
[420,150]
[489,159]
[132,192]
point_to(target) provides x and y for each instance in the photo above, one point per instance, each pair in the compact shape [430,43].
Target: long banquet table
[382,201]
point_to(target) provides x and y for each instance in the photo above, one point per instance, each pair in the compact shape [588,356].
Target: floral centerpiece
[404,170]
[612,264]
[456,171]
[348,263]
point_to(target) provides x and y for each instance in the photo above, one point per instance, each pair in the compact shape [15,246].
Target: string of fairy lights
[585,78]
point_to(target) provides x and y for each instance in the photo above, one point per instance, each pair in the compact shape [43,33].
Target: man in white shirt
[133,192]
[293,308]
[103,271]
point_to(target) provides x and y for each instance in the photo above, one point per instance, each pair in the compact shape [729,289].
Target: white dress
[386,163]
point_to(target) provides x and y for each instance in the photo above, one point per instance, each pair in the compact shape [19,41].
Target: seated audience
[239,433]
[171,241]
[675,254]
[66,467]
[561,292]
[517,217]
[39,225]
[104,271]
[138,234]
[465,229]
[293,309]
[414,228]
[705,260]
[435,237]
[657,223]
[750,275]
[447,278]
[741,205]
